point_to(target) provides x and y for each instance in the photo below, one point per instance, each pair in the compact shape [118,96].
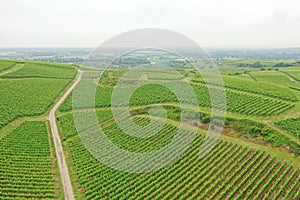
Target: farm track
[13,68]
[294,138]
[293,79]
[63,168]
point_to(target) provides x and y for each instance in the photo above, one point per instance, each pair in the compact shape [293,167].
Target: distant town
[78,55]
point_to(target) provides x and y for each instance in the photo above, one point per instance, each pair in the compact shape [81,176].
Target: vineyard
[32,70]
[228,166]
[272,76]
[290,125]
[293,73]
[5,64]
[66,121]
[27,97]
[22,97]
[237,102]
[230,171]
[26,167]
[255,87]
[248,104]
[256,157]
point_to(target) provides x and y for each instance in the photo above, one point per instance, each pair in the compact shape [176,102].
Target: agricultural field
[27,97]
[26,159]
[272,76]
[229,166]
[21,97]
[291,125]
[256,156]
[257,87]
[237,102]
[293,73]
[39,70]
[233,170]
[6,64]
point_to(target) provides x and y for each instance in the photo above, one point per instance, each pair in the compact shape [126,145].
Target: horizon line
[91,47]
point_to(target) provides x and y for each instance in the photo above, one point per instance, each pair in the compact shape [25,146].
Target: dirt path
[289,76]
[63,168]
[14,68]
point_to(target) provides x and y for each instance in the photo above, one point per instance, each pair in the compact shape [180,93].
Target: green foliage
[103,97]
[254,65]
[257,65]
[5,64]
[163,74]
[255,87]
[26,166]
[294,73]
[110,77]
[273,77]
[130,61]
[291,125]
[283,64]
[187,178]
[27,97]
[254,131]
[135,144]
[205,120]
[152,93]
[230,171]
[178,64]
[239,102]
[44,71]
[173,112]
[266,133]
[68,128]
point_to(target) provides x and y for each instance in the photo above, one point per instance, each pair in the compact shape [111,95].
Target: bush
[205,120]
[254,131]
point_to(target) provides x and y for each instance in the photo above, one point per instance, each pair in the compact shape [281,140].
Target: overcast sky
[211,23]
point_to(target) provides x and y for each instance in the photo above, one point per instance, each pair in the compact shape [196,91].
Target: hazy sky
[211,23]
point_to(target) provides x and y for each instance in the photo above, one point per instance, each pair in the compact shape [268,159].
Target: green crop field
[271,76]
[256,156]
[256,87]
[28,167]
[24,97]
[6,64]
[293,73]
[21,97]
[26,159]
[31,70]
[229,166]
[291,125]
[237,102]
[231,171]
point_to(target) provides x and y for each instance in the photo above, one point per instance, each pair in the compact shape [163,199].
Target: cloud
[219,23]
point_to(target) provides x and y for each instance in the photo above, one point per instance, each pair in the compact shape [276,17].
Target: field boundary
[15,67]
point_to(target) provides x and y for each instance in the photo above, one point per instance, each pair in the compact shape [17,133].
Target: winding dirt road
[63,168]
